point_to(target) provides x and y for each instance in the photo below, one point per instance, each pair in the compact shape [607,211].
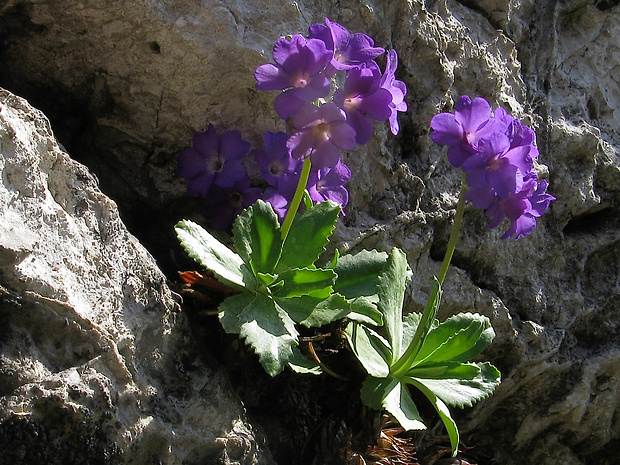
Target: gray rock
[97,363]
[128,84]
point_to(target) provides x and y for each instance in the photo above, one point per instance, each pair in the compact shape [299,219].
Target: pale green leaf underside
[301,364]
[226,265]
[263,325]
[469,384]
[313,312]
[391,290]
[393,396]
[370,349]
[444,414]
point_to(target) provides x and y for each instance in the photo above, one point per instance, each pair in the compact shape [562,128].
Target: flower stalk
[299,193]
[460,208]
[405,362]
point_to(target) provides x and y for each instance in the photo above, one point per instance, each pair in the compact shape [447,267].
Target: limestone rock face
[127,85]
[96,361]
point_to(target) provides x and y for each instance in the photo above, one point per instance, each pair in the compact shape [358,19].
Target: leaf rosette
[420,351]
[280,285]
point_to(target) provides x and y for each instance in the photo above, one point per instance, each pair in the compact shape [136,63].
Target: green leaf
[307,200]
[306,281]
[461,386]
[358,274]
[308,236]
[459,338]
[313,311]
[226,265]
[230,309]
[301,364]
[393,396]
[364,310]
[256,234]
[264,326]
[391,291]
[426,323]
[444,414]
[370,348]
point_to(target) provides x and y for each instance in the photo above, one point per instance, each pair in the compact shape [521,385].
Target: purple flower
[362,98]
[321,133]
[521,208]
[213,160]
[518,134]
[225,204]
[349,51]
[497,165]
[396,88]
[275,161]
[462,130]
[328,184]
[298,71]
[496,152]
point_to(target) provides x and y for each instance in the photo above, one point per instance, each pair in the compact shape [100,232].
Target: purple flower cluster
[496,152]
[305,69]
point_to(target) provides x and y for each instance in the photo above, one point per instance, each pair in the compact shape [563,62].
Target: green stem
[403,364]
[299,193]
[460,208]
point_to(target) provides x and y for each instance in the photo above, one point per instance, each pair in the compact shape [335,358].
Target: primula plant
[330,90]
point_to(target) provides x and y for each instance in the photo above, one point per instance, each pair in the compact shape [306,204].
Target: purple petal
[472,114]
[270,77]
[318,86]
[540,200]
[394,126]
[339,194]
[307,115]
[493,146]
[325,154]
[207,142]
[317,56]
[288,54]
[477,177]
[363,126]
[521,227]
[495,212]
[377,105]
[191,163]
[232,146]
[300,144]
[447,131]
[200,185]
[340,35]
[322,32]
[519,157]
[287,104]
[331,112]
[505,179]
[481,198]
[231,173]
[342,135]
[457,155]
[337,176]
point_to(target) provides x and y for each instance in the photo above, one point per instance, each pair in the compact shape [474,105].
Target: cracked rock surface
[126,86]
[96,361]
